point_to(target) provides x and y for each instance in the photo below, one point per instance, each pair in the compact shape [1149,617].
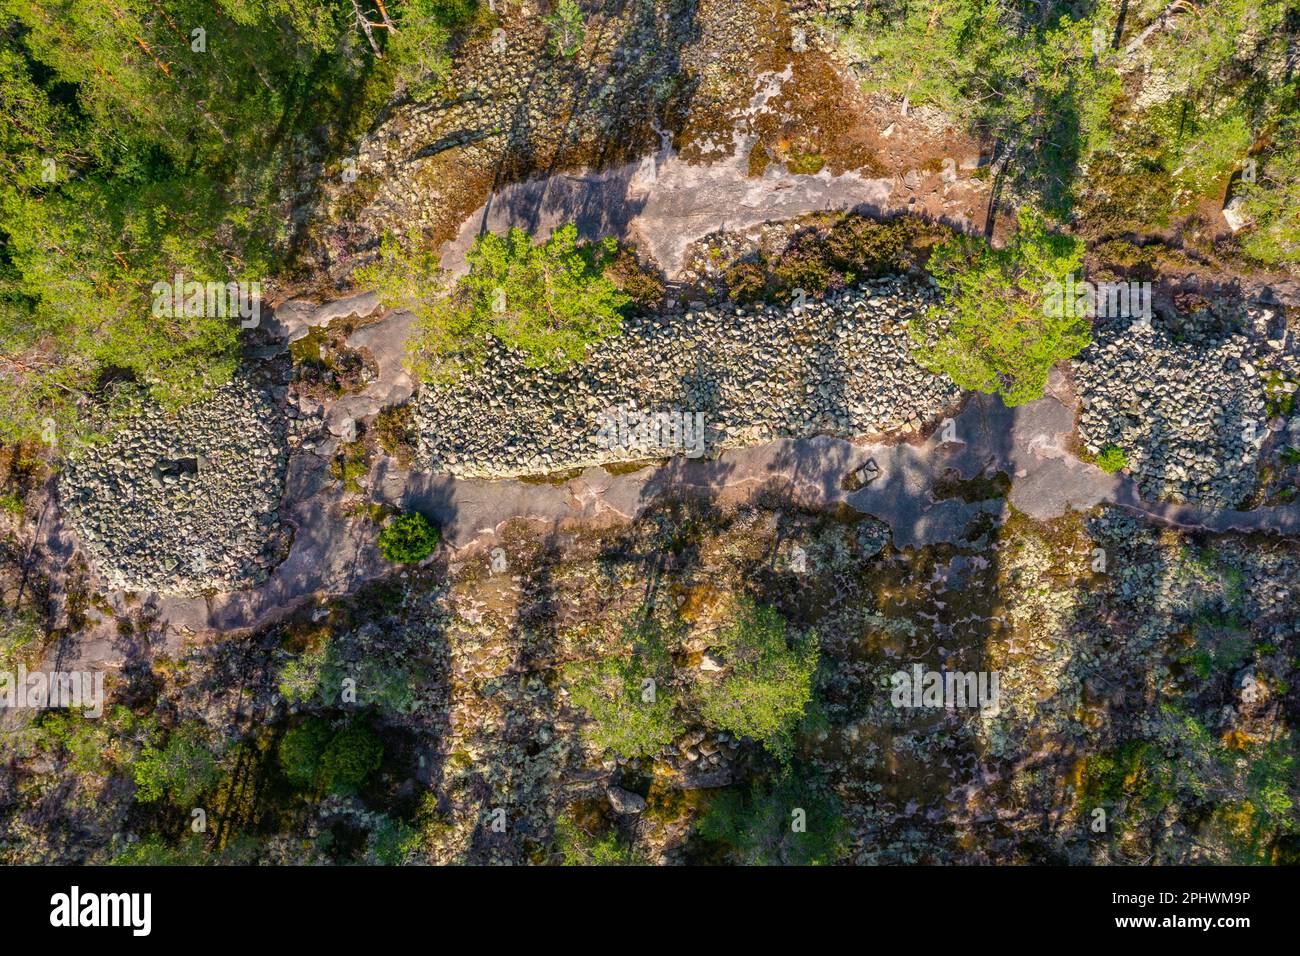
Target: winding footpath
[333,550]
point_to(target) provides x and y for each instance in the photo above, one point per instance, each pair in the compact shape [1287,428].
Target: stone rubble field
[187,503]
[841,367]
[1189,413]
[150,523]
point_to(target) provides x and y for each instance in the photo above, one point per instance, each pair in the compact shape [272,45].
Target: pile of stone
[692,384]
[1189,414]
[187,502]
[431,160]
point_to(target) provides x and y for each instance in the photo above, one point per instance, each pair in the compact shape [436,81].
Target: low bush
[787,823]
[1112,459]
[316,758]
[641,282]
[396,433]
[408,538]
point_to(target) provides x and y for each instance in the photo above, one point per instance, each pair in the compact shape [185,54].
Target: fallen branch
[1160,23]
[366,28]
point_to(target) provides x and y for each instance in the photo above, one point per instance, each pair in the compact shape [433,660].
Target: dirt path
[333,550]
[664,203]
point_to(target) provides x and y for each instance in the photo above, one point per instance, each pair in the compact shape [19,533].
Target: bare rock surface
[664,203]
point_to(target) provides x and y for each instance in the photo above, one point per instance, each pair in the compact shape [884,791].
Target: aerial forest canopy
[150,139]
[142,139]
[660,432]
[1121,117]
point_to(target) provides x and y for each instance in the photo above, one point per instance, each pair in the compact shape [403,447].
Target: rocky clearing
[220,562]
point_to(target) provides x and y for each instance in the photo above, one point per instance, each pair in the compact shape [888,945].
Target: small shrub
[396,434]
[393,843]
[1124,197]
[1278,401]
[631,707]
[577,847]
[790,823]
[350,465]
[1270,783]
[300,752]
[820,260]
[746,282]
[1112,459]
[1120,257]
[803,265]
[154,851]
[1131,771]
[454,14]
[1223,644]
[867,248]
[769,679]
[21,639]
[350,758]
[805,164]
[642,283]
[300,678]
[408,538]
[96,746]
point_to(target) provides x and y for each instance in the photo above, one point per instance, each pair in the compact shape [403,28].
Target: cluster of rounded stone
[740,376]
[1189,415]
[426,161]
[186,502]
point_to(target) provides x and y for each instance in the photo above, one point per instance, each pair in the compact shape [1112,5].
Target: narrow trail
[333,551]
[664,204]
